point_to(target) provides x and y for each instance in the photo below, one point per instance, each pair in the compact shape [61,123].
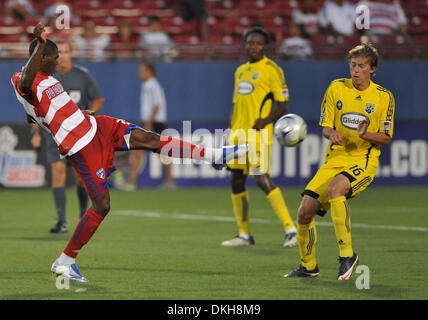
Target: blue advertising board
[404,161]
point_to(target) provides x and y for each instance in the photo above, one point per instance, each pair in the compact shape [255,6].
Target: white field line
[180,216]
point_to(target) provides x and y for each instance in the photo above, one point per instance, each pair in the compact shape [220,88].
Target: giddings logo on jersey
[245,87]
[351,120]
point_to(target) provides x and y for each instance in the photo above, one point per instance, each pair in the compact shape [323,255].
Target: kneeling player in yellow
[357,117]
[258,83]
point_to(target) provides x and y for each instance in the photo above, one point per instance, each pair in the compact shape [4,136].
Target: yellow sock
[341,217]
[278,205]
[240,207]
[307,239]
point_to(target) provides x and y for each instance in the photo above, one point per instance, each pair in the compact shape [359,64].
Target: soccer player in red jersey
[89,141]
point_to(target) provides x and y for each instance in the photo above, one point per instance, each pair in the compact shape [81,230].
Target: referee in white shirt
[153,117]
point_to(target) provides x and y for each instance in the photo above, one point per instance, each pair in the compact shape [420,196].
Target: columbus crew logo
[370,107]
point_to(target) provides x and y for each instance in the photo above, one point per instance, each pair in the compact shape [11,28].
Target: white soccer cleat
[290,240]
[68,270]
[238,241]
[229,153]
[125,186]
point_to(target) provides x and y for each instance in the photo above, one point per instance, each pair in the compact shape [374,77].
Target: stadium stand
[227,20]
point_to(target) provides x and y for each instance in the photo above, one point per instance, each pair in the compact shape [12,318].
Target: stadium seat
[354,40]
[185,39]
[215,38]
[391,40]
[8,21]
[96,13]
[101,21]
[423,39]
[417,30]
[274,24]
[13,38]
[81,5]
[256,8]
[319,39]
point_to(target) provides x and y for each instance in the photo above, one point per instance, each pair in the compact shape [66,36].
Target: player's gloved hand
[40,32]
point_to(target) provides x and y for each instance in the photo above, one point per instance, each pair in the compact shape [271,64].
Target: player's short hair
[64,41]
[154,18]
[50,47]
[149,65]
[365,50]
[257,30]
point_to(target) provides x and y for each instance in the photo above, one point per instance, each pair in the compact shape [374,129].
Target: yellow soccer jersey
[257,85]
[344,107]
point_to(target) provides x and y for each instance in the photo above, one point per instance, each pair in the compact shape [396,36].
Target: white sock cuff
[64,259]
[291,230]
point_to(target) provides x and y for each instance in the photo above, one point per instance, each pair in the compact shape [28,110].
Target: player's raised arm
[34,63]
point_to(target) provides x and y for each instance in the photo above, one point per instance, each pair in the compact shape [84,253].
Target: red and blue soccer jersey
[89,142]
[52,108]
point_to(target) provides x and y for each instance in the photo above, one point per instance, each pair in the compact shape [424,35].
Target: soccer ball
[290,130]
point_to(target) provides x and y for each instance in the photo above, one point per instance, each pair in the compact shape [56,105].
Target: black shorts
[52,152]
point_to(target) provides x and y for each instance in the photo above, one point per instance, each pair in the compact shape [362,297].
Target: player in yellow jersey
[258,83]
[357,117]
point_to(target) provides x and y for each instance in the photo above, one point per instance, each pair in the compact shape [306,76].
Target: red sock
[180,149]
[86,227]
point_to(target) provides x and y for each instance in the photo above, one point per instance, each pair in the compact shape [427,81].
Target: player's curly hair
[365,50]
[257,30]
[50,47]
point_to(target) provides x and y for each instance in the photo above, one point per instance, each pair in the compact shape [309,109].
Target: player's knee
[265,183]
[105,209]
[238,186]
[336,189]
[237,181]
[305,214]
[102,207]
[58,177]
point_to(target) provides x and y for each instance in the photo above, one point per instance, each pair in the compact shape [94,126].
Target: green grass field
[166,245]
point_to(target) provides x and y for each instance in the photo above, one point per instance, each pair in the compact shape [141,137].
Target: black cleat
[346,266]
[302,272]
[59,227]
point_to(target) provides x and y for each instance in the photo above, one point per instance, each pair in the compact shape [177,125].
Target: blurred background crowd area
[104,30]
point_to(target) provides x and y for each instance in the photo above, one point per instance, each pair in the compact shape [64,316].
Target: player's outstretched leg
[172,147]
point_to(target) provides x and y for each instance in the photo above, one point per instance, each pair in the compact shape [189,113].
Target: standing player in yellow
[357,117]
[258,83]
